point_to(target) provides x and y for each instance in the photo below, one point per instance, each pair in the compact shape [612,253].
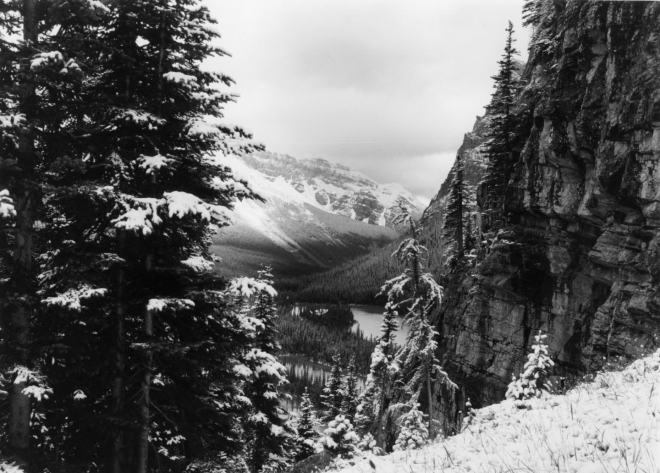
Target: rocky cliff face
[581,256]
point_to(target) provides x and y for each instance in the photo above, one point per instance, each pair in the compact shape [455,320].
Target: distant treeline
[336,315]
[300,336]
[356,282]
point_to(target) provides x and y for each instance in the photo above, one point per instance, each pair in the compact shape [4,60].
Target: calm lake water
[368,319]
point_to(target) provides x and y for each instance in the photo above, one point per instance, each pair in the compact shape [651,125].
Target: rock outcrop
[580,257]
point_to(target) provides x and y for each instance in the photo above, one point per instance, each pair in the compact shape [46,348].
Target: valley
[454,266]
[314,215]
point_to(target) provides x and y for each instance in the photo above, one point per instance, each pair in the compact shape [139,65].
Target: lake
[368,319]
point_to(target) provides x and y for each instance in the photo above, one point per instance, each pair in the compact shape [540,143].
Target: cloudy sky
[387,87]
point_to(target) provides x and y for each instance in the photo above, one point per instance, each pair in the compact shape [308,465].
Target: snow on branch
[47,59]
[7,209]
[248,287]
[180,78]
[10,468]
[35,383]
[434,290]
[203,129]
[53,59]
[97,5]
[11,120]
[181,204]
[138,117]
[198,264]
[265,364]
[410,248]
[151,164]
[396,287]
[72,299]
[159,305]
[140,216]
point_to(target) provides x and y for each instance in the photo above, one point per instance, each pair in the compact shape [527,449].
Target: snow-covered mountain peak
[328,186]
[316,214]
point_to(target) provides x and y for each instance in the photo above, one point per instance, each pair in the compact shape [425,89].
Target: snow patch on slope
[609,425]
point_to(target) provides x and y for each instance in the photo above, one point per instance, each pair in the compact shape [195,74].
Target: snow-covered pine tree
[266,426]
[533,381]
[350,393]
[169,189]
[20,186]
[136,189]
[332,395]
[40,84]
[306,427]
[377,393]
[418,294]
[500,147]
[413,431]
[454,217]
[340,437]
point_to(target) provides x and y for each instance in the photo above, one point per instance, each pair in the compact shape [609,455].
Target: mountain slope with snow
[609,425]
[332,187]
[315,215]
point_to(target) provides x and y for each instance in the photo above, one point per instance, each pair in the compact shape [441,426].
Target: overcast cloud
[387,87]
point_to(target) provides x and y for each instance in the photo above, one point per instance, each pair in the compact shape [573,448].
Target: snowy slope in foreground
[607,426]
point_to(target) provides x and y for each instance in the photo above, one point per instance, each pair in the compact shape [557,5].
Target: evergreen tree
[266,425]
[375,399]
[500,147]
[332,395]
[533,381]
[340,437]
[413,432]
[419,295]
[40,86]
[350,392]
[454,220]
[129,138]
[306,427]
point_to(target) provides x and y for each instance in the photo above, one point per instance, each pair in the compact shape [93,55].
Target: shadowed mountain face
[316,215]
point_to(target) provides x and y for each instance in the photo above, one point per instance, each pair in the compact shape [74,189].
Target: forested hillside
[358,281]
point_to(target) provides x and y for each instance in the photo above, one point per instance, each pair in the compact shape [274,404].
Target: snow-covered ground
[609,425]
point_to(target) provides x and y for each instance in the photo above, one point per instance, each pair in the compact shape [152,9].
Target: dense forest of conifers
[298,335]
[357,282]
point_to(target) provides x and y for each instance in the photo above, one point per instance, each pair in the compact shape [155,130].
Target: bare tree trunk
[145,417]
[120,364]
[21,310]
[145,388]
[429,393]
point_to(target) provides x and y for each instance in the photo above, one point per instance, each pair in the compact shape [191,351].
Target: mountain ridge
[315,215]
